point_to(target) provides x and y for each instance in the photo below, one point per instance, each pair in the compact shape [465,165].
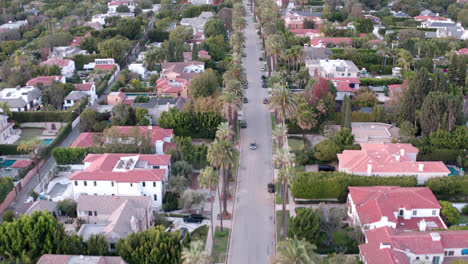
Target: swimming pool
[136,94]
[47,141]
[453,171]
[7,163]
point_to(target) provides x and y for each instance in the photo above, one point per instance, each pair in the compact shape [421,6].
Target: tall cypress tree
[348,118]
[418,89]
[195,52]
[343,110]
[453,69]
[439,82]
[461,71]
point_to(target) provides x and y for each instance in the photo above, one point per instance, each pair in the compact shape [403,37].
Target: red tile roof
[102,166]
[383,159]
[21,163]
[334,41]
[397,242]
[58,62]
[84,86]
[301,31]
[105,67]
[45,80]
[373,203]
[463,51]
[121,2]
[76,41]
[169,86]
[342,83]
[434,18]
[157,133]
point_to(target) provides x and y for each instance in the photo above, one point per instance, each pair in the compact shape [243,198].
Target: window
[112,183]
[95,213]
[154,184]
[435,260]
[76,183]
[90,213]
[155,197]
[155,167]
[401,211]
[85,183]
[131,184]
[144,184]
[112,245]
[415,212]
[434,212]
[113,194]
[95,183]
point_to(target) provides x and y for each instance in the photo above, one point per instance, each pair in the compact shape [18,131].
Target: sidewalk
[291,206]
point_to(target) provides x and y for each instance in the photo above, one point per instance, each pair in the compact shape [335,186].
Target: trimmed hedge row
[453,185]
[63,133]
[380,82]
[315,3]
[65,156]
[445,155]
[43,116]
[341,51]
[8,149]
[334,185]
[6,185]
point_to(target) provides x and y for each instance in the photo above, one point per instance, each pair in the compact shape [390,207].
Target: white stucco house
[21,99]
[67,66]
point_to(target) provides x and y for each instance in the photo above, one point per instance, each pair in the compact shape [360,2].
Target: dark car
[260,58]
[193,218]
[243,124]
[264,85]
[246,86]
[271,188]
[326,168]
[246,100]
[253,146]
[265,100]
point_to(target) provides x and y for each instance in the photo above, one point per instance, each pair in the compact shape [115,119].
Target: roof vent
[421,167]
[385,245]
[435,236]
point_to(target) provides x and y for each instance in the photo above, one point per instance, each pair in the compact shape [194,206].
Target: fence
[45,179]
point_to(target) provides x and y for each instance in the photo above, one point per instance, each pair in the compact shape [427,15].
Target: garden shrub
[6,185]
[380,82]
[170,202]
[8,216]
[64,156]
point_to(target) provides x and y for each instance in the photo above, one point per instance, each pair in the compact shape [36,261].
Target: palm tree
[154,56]
[284,160]
[275,46]
[283,102]
[239,24]
[405,58]
[231,104]
[294,251]
[224,132]
[221,154]
[306,119]
[195,253]
[6,109]
[209,178]
[236,40]
[236,71]
[279,133]
[32,147]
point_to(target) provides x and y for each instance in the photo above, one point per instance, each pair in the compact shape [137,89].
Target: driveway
[253,233]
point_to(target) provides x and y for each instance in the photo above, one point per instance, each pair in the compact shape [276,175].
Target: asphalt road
[253,233]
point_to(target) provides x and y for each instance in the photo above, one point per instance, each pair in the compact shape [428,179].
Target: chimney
[385,245]
[421,167]
[84,81]
[402,152]
[435,236]
[150,127]
[422,225]
[397,157]
[369,169]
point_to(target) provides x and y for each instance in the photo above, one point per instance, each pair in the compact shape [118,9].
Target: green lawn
[201,233]
[220,245]
[272,121]
[29,133]
[279,199]
[295,144]
[463,220]
[279,222]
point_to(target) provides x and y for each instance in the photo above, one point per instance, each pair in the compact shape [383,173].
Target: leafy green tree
[449,213]
[97,245]
[344,138]
[182,168]
[87,120]
[346,112]
[439,81]
[122,115]
[68,207]
[439,111]
[123,9]
[151,246]
[177,184]
[465,209]
[463,17]
[205,84]
[114,48]
[305,225]
[195,52]
[215,27]
[364,25]
[295,251]
[129,28]
[326,150]
[217,46]
[306,119]
[181,34]
[142,116]
[9,216]
[192,199]
[413,98]
[407,131]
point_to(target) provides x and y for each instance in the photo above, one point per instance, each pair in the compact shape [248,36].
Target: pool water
[136,94]
[453,171]
[7,163]
[47,141]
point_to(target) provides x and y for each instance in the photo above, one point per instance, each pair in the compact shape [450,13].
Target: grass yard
[279,199]
[29,133]
[201,233]
[220,245]
[279,223]
[272,121]
[295,144]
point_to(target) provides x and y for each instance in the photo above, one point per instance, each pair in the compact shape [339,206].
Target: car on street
[193,218]
[260,58]
[263,69]
[265,100]
[264,85]
[246,86]
[243,124]
[326,168]
[253,145]
[246,100]
[271,188]
[263,77]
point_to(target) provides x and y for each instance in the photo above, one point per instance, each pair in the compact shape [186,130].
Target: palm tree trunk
[234,125]
[304,136]
[220,207]
[283,215]
[269,65]
[212,218]
[225,212]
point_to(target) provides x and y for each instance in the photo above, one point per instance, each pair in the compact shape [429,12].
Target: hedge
[334,185]
[8,149]
[43,116]
[416,28]
[453,185]
[62,134]
[188,124]
[445,155]
[341,51]
[315,3]
[380,82]
[65,156]
[6,185]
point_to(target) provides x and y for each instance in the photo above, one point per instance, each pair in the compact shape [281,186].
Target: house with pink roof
[202,54]
[113,5]
[124,175]
[79,259]
[161,138]
[45,81]
[345,86]
[402,208]
[389,159]
[387,245]
[67,66]
[307,32]
[334,42]
[177,88]
[463,51]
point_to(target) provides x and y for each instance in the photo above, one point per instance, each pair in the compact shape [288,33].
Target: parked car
[253,145]
[326,168]
[264,85]
[246,100]
[193,218]
[263,68]
[271,188]
[246,86]
[260,58]
[243,124]
[263,77]
[265,100]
